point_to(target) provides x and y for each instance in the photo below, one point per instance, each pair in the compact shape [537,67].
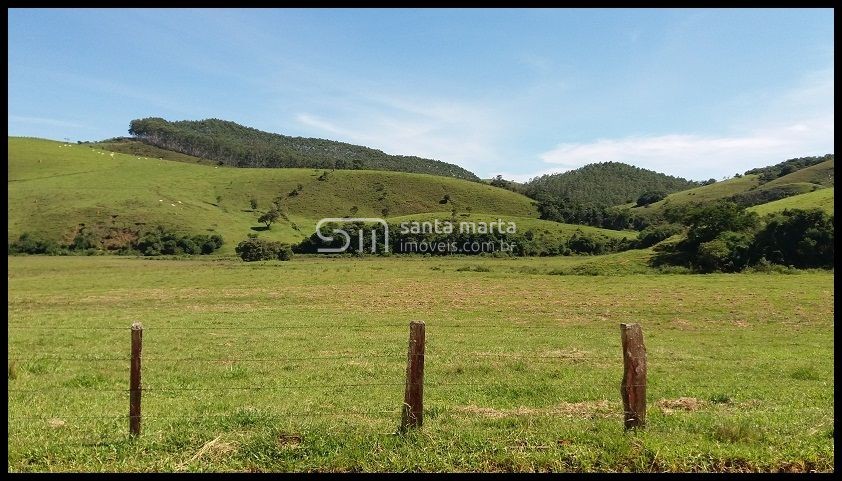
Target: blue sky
[695,93]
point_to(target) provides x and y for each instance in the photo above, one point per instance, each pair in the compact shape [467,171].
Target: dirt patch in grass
[669,406]
[289,441]
[56,423]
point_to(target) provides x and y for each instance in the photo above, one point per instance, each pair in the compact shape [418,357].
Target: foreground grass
[522,371]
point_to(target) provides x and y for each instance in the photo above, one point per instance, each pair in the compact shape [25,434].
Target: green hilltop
[232,144]
[756,187]
[604,184]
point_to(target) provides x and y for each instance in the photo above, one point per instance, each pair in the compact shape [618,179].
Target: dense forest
[592,194]
[604,184]
[232,144]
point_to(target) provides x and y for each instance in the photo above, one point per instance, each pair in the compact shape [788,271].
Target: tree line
[232,144]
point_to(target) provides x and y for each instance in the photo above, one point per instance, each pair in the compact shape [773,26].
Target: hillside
[240,146]
[604,184]
[821,199]
[749,190]
[54,187]
[786,167]
[127,145]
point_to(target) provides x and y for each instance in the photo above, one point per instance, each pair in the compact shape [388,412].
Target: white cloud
[795,124]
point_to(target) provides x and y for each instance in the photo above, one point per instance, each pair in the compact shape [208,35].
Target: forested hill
[604,184]
[240,146]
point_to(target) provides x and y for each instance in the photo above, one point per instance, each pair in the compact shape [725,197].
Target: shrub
[83,240]
[586,244]
[285,252]
[650,198]
[729,252]
[653,234]
[163,242]
[254,249]
[34,244]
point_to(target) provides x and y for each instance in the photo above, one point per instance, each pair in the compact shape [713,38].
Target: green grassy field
[300,366]
[822,199]
[55,187]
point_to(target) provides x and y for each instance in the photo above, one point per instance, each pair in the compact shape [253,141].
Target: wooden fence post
[412,415]
[134,380]
[633,386]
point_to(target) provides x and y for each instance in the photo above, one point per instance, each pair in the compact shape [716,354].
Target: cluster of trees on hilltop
[233,144]
[591,194]
[772,172]
[604,184]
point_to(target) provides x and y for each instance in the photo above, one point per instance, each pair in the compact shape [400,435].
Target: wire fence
[609,390]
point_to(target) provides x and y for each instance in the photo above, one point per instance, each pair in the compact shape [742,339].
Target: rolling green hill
[822,199]
[54,187]
[240,146]
[603,185]
[748,189]
[704,193]
[819,174]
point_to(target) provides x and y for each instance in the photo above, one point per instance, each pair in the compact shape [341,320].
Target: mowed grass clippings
[299,366]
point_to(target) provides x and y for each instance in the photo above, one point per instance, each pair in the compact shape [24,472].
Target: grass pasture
[300,366]
[55,187]
[822,199]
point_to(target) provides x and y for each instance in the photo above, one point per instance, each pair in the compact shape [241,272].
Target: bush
[729,252]
[163,242]
[656,233]
[84,240]
[34,244]
[650,198]
[285,252]
[586,244]
[254,249]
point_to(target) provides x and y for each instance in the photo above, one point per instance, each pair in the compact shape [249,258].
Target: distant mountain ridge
[236,145]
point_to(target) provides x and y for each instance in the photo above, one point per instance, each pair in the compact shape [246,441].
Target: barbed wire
[263,388]
[232,414]
[576,356]
[293,326]
[207,359]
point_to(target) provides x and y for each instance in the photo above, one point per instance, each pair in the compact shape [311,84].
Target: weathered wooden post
[134,380]
[633,386]
[412,415]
